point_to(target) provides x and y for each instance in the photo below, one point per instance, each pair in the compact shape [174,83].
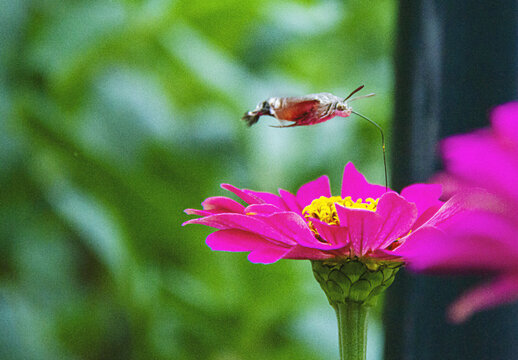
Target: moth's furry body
[299,111]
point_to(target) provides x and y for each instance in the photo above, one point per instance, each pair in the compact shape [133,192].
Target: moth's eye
[340,107]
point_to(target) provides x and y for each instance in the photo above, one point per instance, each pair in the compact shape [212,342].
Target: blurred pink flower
[365,222]
[483,166]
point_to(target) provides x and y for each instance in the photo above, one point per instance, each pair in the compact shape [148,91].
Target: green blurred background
[117,115]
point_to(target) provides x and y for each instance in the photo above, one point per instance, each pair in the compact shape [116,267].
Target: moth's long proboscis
[382,144]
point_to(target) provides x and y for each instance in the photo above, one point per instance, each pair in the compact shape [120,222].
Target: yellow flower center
[324,208]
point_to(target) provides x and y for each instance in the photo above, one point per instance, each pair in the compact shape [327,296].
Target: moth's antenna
[361,97]
[354,92]
[382,144]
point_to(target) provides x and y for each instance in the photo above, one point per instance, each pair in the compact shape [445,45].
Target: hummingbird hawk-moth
[309,110]
[303,110]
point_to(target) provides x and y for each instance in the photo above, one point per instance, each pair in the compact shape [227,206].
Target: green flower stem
[352,286]
[352,330]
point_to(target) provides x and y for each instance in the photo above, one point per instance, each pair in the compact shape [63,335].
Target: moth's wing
[297,110]
[285,124]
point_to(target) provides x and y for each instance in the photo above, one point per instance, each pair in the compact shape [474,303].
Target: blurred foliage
[117,115]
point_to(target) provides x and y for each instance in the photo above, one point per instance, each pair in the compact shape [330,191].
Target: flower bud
[354,281]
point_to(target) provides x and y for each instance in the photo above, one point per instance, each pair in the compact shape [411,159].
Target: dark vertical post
[455,60]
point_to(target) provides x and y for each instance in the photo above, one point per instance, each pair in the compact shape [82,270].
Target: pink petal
[267,255]
[450,184]
[435,251]
[253,224]
[481,159]
[423,196]
[313,190]
[198,212]
[248,198]
[268,198]
[235,240]
[504,120]
[500,230]
[222,204]
[397,216]
[261,250]
[263,209]
[336,236]
[290,200]
[355,185]
[292,226]
[502,290]
[453,207]
[427,215]
[385,255]
[362,227]
[302,253]
[422,248]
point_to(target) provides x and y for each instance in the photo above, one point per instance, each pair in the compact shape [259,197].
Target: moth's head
[342,109]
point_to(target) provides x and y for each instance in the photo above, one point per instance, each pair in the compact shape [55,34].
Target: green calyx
[354,281]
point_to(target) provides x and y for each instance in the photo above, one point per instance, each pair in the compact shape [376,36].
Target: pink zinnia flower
[366,222]
[484,239]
